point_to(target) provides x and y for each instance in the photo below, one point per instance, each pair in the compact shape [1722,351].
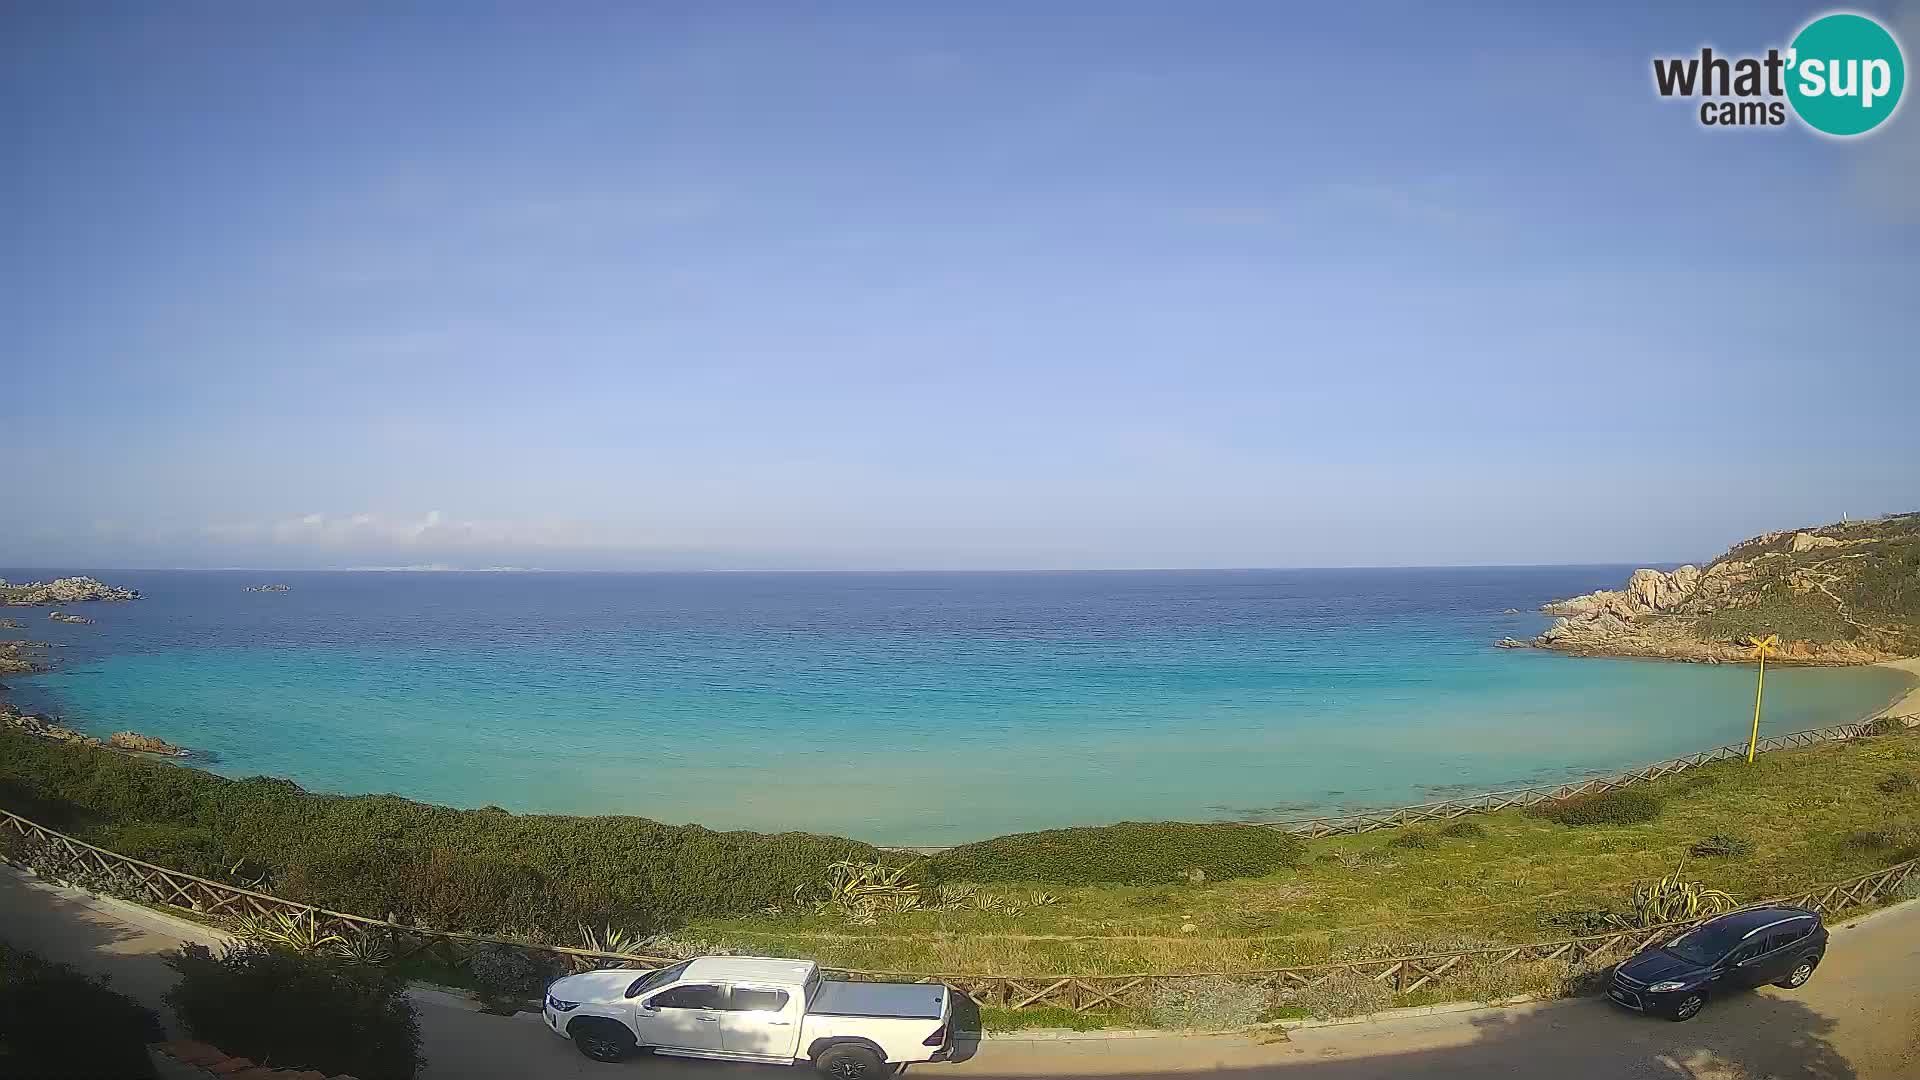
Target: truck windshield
[659,978]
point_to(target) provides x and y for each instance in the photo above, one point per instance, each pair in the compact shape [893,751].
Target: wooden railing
[1080,993]
[1512,798]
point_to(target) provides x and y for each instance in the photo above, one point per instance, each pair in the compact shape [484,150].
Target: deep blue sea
[909,708]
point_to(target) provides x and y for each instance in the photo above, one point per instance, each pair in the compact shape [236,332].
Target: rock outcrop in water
[145,744]
[1839,594]
[61,616]
[270,588]
[68,590]
[12,658]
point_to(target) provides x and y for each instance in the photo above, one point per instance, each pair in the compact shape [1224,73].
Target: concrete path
[1859,1019]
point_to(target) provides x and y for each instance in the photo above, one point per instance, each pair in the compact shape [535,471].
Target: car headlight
[557,1005]
[1666,987]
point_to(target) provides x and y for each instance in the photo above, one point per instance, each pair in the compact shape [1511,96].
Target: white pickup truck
[745,1008]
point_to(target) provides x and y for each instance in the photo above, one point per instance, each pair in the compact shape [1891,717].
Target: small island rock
[146,744]
[67,590]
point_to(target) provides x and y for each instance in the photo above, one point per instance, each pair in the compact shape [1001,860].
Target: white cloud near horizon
[430,530]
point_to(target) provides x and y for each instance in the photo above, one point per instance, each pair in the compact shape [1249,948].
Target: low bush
[1127,854]
[1899,782]
[1415,839]
[1722,846]
[54,1021]
[1341,994]
[507,973]
[1464,830]
[1212,1003]
[432,865]
[1621,806]
[289,1011]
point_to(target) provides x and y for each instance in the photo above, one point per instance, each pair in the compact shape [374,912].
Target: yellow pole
[1754,739]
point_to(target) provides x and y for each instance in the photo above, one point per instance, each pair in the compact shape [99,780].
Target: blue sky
[888,286]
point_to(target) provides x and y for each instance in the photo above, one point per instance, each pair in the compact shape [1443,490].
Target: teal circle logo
[1845,74]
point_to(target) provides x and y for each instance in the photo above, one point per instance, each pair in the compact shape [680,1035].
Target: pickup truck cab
[744,1008]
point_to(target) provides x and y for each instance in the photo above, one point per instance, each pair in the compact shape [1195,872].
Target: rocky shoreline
[46,728]
[1771,583]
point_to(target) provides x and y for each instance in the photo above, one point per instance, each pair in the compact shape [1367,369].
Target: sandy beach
[1909,703]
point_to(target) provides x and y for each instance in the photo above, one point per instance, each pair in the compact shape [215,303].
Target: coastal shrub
[1464,830]
[295,1012]
[1722,845]
[431,865]
[1339,995]
[1581,922]
[55,1021]
[1621,806]
[1131,853]
[1211,1003]
[1899,782]
[1415,839]
[506,973]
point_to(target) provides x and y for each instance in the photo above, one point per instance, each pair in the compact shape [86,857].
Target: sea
[901,708]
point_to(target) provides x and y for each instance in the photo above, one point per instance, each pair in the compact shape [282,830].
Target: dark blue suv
[1778,945]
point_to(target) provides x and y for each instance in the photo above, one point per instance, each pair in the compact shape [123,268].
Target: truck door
[758,1021]
[685,1017]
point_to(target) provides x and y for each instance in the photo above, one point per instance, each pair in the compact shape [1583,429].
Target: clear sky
[918,285]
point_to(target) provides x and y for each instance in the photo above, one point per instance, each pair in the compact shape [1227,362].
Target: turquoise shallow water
[903,708]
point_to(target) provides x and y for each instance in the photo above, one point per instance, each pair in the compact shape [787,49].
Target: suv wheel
[1688,1007]
[601,1040]
[1800,974]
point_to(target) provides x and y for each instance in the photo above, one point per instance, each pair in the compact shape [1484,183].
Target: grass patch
[1621,806]
[1722,846]
[1899,782]
[1412,839]
[1132,853]
[1464,830]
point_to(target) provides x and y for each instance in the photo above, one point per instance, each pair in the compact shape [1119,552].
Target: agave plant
[861,892]
[366,948]
[1674,899]
[296,933]
[610,939]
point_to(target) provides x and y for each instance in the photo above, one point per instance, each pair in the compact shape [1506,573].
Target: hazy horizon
[688,288]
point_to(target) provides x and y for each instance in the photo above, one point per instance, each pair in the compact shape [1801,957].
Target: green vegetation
[1900,782]
[1722,846]
[54,1021]
[1132,853]
[1525,878]
[1866,589]
[297,1012]
[1196,902]
[1620,806]
[446,868]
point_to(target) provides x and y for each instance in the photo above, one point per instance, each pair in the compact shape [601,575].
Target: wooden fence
[1080,993]
[1494,801]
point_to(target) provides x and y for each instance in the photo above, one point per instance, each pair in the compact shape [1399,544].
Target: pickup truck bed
[896,1001]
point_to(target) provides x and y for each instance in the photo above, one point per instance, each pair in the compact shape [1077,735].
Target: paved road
[1859,1019]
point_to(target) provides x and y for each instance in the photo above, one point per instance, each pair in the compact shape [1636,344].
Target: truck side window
[757,1000]
[693,996]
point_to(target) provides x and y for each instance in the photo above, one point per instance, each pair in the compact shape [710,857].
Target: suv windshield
[659,978]
[1706,944]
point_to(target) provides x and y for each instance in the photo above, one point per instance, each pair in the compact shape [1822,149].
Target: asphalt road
[1859,1019]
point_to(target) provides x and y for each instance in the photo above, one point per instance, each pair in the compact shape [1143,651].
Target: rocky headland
[1847,593]
[67,590]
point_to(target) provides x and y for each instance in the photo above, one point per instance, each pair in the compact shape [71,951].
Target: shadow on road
[1747,1035]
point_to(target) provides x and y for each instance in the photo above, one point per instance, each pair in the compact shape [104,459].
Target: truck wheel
[847,1062]
[601,1040]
